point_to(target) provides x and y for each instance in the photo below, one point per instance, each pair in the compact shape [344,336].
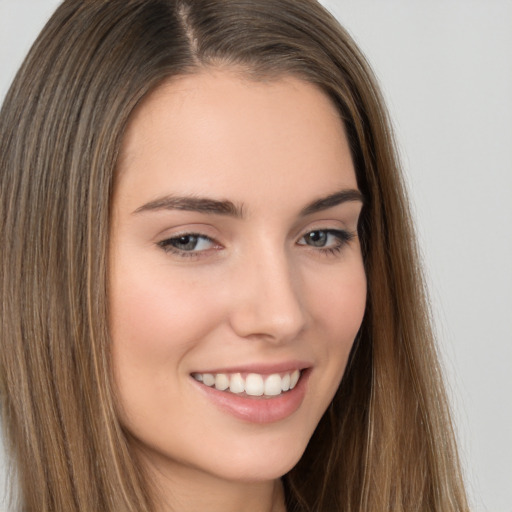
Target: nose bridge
[269,303]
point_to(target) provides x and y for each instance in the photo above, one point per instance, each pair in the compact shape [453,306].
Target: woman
[211,295]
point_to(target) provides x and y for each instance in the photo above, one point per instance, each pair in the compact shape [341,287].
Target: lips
[262,395]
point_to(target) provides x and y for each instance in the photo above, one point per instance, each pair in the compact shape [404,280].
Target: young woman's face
[235,269]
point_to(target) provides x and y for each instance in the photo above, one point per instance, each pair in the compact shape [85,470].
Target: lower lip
[260,409]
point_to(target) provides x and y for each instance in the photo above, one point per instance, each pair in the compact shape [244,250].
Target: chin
[264,461]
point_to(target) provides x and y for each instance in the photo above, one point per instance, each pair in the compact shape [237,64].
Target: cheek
[340,304]
[154,325]
[153,314]
[339,309]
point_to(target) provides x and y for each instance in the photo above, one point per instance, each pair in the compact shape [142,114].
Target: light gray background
[446,70]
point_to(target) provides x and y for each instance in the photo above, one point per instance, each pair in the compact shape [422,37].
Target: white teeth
[208,379]
[254,384]
[273,385]
[285,382]
[221,381]
[237,384]
[294,378]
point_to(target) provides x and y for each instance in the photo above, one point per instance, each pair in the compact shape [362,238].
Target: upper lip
[261,368]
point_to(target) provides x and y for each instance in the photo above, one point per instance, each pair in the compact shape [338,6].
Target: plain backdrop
[445,67]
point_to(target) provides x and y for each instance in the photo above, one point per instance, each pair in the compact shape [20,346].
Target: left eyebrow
[324,203]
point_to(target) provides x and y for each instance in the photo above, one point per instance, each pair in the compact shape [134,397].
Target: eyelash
[342,239]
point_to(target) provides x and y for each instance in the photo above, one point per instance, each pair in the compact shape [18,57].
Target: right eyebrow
[194,204]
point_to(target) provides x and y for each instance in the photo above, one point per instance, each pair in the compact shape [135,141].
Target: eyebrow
[230,209]
[324,203]
[194,204]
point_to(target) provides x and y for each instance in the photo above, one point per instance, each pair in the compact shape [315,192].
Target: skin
[255,292]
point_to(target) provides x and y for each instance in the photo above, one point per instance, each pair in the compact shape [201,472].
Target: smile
[252,384]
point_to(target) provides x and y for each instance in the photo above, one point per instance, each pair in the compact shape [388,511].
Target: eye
[191,243]
[328,240]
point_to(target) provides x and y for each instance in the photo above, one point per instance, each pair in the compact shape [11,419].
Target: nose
[267,303]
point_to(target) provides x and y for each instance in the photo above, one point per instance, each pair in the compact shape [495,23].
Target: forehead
[215,131]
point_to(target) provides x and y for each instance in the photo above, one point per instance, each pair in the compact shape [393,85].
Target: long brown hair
[386,441]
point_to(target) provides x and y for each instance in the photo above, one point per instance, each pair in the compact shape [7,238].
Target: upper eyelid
[168,231]
[328,222]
